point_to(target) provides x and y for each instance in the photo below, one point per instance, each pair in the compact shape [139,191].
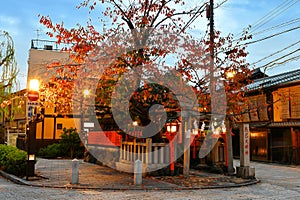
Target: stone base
[128,166]
[245,172]
[107,156]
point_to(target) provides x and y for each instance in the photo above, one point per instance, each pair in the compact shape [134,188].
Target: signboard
[246,145]
[33,95]
[33,103]
[89,125]
[30,111]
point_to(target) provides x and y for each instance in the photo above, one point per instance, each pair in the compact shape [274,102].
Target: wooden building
[274,118]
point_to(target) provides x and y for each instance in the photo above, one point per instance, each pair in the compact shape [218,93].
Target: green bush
[51,151]
[69,146]
[13,160]
[4,150]
[70,141]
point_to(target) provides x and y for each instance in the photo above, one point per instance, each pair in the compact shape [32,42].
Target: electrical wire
[277,64]
[278,26]
[282,57]
[262,59]
[261,39]
[268,17]
[274,13]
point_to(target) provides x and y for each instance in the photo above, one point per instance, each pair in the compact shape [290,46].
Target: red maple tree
[143,37]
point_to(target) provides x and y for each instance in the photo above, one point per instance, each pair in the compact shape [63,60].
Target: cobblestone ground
[277,182]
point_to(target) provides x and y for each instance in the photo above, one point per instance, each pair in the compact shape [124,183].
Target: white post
[156,155]
[7,136]
[75,171]
[138,172]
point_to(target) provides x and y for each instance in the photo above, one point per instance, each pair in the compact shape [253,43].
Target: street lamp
[230,74]
[33,96]
[135,132]
[86,92]
[34,85]
[172,128]
[226,128]
[135,123]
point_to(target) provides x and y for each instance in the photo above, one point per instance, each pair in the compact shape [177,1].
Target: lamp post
[135,132]
[228,138]
[172,128]
[33,96]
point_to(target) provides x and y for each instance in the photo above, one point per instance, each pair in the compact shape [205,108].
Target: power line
[261,39]
[289,59]
[283,62]
[273,27]
[275,53]
[274,13]
[269,64]
[278,26]
[270,36]
[268,17]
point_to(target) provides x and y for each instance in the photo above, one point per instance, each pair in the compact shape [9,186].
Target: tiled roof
[284,124]
[274,124]
[271,81]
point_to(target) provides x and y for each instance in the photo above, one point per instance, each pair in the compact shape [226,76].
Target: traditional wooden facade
[274,118]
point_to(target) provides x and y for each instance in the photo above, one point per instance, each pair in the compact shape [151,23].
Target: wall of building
[39,62]
[42,55]
[274,124]
[287,103]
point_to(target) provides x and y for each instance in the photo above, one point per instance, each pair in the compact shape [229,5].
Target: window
[59,126]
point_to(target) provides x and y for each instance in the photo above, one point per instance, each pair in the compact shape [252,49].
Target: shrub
[13,160]
[51,151]
[69,146]
[4,150]
[70,141]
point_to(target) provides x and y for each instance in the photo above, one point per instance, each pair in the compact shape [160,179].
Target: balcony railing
[48,45]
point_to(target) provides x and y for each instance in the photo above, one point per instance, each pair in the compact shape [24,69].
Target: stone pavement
[57,173]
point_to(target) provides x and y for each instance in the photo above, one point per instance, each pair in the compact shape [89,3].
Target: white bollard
[138,172]
[75,171]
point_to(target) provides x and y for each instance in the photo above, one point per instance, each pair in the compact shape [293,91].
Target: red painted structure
[33,96]
[104,138]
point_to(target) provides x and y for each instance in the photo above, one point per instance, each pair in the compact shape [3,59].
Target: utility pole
[210,16]
[212,82]
[211,32]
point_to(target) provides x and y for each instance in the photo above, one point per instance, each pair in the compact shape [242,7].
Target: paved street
[277,182]
[278,175]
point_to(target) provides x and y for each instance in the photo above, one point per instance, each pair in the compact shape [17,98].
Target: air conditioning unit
[48,47]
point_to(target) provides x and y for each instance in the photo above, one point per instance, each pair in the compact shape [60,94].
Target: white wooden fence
[149,153]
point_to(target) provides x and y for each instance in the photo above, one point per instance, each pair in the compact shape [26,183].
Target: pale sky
[20,19]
